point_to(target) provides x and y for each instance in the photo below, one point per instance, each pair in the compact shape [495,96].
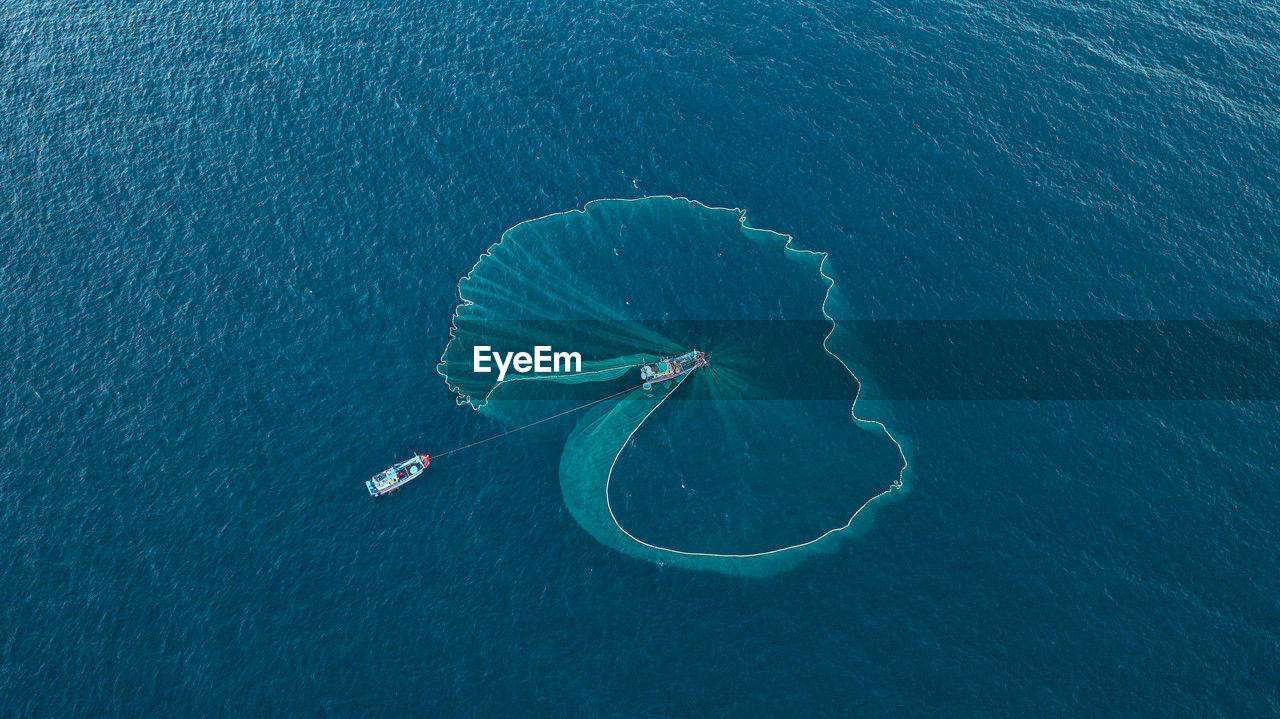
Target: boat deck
[670,367]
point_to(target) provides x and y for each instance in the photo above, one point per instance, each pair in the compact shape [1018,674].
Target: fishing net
[744,466]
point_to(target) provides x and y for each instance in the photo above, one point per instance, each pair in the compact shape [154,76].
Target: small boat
[392,479]
[671,367]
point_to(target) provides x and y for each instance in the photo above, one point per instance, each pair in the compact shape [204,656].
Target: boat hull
[673,367]
[394,478]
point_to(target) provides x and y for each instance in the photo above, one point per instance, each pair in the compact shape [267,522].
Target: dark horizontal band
[921,359]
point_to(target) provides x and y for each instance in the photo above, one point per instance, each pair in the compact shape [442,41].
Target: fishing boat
[395,477]
[671,367]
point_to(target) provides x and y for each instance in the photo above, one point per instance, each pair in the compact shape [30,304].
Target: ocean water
[230,237]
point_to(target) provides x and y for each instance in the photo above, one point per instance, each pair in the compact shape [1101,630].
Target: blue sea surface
[230,237]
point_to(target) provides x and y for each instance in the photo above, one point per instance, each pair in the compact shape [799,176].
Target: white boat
[395,477]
